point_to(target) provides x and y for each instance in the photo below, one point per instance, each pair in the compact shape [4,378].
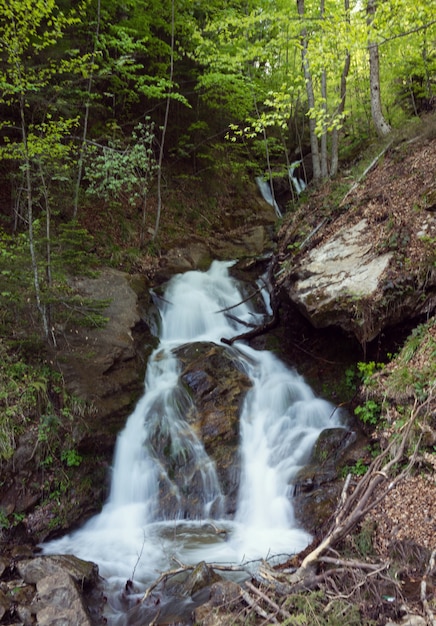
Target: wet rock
[201,576]
[58,602]
[318,485]
[47,590]
[217,611]
[82,572]
[218,388]
[246,242]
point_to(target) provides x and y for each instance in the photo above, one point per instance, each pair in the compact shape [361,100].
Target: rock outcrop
[372,266]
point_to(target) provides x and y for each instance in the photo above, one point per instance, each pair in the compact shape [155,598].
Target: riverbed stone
[82,572]
[217,611]
[59,603]
[218,387]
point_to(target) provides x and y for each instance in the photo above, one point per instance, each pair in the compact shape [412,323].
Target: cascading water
[279,424]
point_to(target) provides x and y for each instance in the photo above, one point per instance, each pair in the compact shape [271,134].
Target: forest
[109,104]
[130,128]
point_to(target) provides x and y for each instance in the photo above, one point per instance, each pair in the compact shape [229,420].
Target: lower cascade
[280,421]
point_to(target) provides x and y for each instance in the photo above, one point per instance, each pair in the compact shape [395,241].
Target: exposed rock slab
[331,280]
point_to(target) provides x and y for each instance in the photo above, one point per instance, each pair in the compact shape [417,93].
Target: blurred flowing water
[280,421]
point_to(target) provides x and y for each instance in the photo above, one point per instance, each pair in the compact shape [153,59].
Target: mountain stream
[280,421]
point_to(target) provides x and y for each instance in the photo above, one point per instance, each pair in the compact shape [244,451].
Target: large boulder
[102,366]
[50,590]
[369,263]
[350,281]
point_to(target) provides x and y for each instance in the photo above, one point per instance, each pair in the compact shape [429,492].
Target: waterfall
[264,187]
[280,421]
[298,184]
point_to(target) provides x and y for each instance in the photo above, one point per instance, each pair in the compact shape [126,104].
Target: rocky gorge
[360,268]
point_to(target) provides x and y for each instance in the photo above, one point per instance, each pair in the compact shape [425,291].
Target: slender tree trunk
[316,161]
[143,220]
[39,304]
[343,93]
[324,160]
[381,125]
[164,129]
[86,119]
[48,266]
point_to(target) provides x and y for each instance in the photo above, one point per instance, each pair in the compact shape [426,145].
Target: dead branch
[271,619]
[162,577]
[352,564]
[368,169]
[268,600]
[259,330]
[234,306]
[271,323]
[239,321]
[425,603]
[366,495]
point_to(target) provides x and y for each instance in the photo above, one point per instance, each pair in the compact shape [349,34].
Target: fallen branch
[257,608]
[366,495]
[268,600]
[271,323]
[352,563]
[368,169]
[425,603]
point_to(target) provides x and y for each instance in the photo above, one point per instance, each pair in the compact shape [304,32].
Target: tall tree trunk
[316,161]
[39,304]
[48,265]
[381,125]
[86,119]
[343,93]
[324,160]
[164,129]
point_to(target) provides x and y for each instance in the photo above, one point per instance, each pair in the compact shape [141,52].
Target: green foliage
[358,469]
[367,370]
[32,397]
[124,170]
[71,458]
[369,412]
[74,249]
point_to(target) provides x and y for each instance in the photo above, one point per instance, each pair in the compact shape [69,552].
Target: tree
[27,30]
[124,170]
[381,125]
[87,106]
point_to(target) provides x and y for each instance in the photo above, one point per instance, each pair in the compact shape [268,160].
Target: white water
[280,422]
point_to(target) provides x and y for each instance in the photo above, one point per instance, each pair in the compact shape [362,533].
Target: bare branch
[425,603]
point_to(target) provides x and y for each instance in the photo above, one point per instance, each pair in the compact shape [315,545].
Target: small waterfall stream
[280,421]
